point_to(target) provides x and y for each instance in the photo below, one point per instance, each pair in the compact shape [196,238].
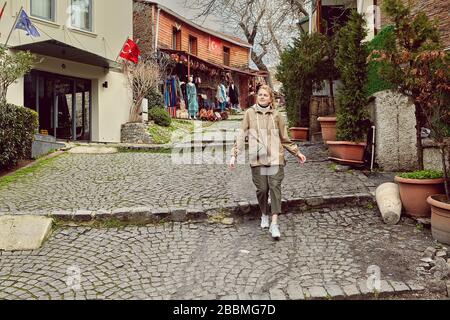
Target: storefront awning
[57,49]
[211,64]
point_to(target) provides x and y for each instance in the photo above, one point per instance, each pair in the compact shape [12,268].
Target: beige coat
[268,137]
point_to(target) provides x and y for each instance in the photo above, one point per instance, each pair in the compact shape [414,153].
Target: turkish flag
[215,45]
[130,51]
[3,10]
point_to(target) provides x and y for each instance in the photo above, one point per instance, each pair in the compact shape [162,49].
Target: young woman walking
[267,135]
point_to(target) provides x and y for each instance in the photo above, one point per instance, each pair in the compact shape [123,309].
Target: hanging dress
[191,92]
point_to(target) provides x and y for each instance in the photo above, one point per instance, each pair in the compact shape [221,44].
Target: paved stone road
[94,182]
[322,253]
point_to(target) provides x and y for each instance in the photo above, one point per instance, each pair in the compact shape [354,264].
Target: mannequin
[191,92]
[233,93]
[222,96]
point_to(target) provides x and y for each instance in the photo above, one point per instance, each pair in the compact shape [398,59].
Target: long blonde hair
[271,94]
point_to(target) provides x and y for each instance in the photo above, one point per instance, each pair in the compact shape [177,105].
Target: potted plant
[304,66]
[414,61]
[351,61]
[416,187]
[433,69]
[328,125]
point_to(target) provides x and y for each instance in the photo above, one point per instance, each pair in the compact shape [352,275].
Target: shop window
[176,39]
[193,45]
[226,56]
[81,14]
[43,9]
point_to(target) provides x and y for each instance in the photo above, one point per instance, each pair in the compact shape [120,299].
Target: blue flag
[24,23]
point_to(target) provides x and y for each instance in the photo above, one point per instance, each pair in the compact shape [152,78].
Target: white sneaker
[275,231]
[265,221]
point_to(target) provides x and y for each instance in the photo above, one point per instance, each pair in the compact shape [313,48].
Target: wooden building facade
[198,51]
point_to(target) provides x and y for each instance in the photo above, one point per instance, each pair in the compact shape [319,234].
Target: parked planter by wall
[414,194]
[328,125]
[299,133]
[347,152]
[440,218]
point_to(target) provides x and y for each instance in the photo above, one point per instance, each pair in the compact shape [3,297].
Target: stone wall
[432,158]
[136,133]
[143,24]
[395,121]
[434,9]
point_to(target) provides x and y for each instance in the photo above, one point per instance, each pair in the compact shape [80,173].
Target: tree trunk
[262,66]
[419,137]
[444,166]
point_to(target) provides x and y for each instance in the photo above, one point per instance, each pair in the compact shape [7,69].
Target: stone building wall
[434,9]
[395,121]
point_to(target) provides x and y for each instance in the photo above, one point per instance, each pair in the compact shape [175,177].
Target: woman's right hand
[232,164]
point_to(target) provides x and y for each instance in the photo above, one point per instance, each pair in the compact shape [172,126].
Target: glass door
[62,103]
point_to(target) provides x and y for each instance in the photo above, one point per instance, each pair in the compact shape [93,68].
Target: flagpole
[14,26]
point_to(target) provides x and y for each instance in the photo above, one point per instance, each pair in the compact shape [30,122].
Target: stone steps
[238,210]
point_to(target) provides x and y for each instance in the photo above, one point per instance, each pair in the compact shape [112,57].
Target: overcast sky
[179,7]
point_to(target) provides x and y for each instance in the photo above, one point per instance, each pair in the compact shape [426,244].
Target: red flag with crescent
[130,51]
[2,10]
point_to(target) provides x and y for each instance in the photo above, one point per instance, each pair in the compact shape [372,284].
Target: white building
[77,88]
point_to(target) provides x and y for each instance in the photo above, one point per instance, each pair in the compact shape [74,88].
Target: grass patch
[26,173]
[333,167]
[163,135]
[183,128]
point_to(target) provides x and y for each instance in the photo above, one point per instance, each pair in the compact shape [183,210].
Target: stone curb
[175,214]
[357,291]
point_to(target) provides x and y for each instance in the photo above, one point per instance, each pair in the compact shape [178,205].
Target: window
[176,39]
[226,56]
[82,14]
[193,45]
[44,9]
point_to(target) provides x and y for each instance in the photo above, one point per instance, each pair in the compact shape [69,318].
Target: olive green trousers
[268,179]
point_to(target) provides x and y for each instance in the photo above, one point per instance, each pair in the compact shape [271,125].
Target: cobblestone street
[94,182]
[323,253]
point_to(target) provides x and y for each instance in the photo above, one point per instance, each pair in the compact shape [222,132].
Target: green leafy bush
[351,61]
[17,128]
[382,40]
[304,66]
[155,99]
[160,116]
[423,174]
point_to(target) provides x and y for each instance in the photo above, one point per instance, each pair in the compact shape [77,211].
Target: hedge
[374,82]
[17,128]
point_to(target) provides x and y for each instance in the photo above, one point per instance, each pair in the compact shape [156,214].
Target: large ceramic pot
[440,218]
[299,133]
[347,152]
[414,194]
[328,125]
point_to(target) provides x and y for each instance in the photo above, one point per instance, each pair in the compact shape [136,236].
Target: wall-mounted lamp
[105,84]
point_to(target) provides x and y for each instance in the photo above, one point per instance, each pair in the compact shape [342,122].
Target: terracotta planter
[440,218]
[414,194]
[347,152]
[299,133]
[328,125]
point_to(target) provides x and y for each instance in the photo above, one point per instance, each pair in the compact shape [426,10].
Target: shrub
[351,60]
[17,128]
[155,99]
[375,83]
[160,116]
[304,66]
[423,174]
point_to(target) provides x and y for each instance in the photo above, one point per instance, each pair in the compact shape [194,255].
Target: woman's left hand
[301,158]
